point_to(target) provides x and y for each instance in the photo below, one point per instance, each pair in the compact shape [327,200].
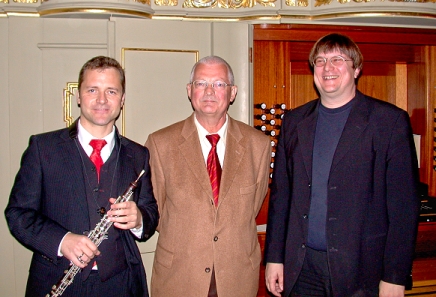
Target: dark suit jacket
[372,207]
[48,199]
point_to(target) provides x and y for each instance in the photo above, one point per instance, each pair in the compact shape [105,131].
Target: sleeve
[147,203]
[157,177]
[263,175]
[24,214]
[279,201]
[403,202]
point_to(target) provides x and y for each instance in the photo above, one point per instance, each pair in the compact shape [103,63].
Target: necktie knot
[213,139]
[97,145]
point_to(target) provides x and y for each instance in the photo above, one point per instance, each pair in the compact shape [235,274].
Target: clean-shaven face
[100,97]
[211,101]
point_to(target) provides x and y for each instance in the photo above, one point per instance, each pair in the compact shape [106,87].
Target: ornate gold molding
[166,2]
[68,99]
[327,2]
[24,1]
[227,3]
[300,3]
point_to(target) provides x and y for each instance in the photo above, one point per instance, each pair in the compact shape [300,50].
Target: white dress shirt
[205,144]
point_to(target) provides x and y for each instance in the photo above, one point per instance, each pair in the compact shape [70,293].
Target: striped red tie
[97,145]
[214,167]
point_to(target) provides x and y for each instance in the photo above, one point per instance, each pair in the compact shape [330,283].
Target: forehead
[215,70]
[331,53]
[108,75]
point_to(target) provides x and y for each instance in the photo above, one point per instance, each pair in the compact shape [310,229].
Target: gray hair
[214,60]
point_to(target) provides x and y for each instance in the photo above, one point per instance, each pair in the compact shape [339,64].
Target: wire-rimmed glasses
[335,61]
[217,85]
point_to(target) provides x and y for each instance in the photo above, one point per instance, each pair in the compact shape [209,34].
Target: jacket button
[305,216]
[215,238]
[303,246]
[207,270]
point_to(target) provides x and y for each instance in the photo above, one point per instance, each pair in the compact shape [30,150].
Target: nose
[209,89]
[102,98]
[328,65]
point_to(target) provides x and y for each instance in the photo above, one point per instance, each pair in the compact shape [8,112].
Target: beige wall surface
[39,57]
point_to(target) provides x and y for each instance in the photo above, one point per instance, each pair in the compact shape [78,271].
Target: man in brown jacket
[208,242]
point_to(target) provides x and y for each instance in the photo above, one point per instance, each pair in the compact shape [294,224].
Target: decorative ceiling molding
[408,13]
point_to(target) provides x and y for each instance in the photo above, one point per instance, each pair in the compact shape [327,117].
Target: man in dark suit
[344,208]
[66,184]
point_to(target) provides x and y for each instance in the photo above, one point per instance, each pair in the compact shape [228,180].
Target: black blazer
[373,205]
[48,199]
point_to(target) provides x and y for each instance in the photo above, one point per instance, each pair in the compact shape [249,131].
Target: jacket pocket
[164,257]
[248,190]
[256,257]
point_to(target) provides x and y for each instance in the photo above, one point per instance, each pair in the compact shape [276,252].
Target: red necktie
[214,167]
[97,145]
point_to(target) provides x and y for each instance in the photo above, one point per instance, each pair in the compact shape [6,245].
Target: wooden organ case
[399,67]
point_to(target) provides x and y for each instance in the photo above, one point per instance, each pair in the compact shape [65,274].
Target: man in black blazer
[344,208]
[59,196]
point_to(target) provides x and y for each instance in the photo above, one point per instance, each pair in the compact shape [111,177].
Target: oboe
[97,236]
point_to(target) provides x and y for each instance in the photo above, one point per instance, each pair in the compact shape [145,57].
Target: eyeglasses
[217,85]
[336,61]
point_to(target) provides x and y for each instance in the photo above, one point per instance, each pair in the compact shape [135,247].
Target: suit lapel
[355,125]
[190,149]
[68,149]
[233,157]
[306,135]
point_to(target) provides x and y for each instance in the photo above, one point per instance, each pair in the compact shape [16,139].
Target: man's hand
[391,290]
[79,249]
[125,215]
[274,278]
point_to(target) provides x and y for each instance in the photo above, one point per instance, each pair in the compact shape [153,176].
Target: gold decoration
[322,2]
[25,1]
[227,3]
[299,3]
[4,1]
[147,2]
[166,2]
[68,98]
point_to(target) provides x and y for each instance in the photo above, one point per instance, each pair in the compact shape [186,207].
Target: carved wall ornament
[300,3]
[227,3]
[22,1]
[166,2]
[327,2]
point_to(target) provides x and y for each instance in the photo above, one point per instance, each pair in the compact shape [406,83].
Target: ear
[189,90]
[233,93]
[78,97]
[122,99]
[356,72]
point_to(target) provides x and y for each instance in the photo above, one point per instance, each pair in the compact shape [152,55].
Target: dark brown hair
[339,42]
[102,62]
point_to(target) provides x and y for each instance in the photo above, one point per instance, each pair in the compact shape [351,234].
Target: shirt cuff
[137,231]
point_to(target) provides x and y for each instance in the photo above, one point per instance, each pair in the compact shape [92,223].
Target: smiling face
[336,84]
[101,98]
[211,104]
